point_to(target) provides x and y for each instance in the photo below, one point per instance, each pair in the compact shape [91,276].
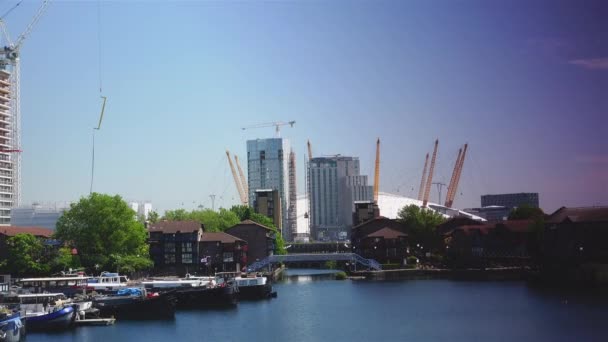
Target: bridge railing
[352,257]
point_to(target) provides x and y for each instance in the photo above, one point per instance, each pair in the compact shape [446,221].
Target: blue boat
[44,312]
[11,328]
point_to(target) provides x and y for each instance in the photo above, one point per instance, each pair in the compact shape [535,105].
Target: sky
[524,83]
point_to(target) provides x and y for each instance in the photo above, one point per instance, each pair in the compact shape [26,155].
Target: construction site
[337,196]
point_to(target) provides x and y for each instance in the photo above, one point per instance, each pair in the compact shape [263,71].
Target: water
[317,308]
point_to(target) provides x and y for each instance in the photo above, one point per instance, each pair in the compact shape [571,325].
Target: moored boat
[254,287]
[198,292]
[11,327]
[107,282]
[46,311]
[134,303]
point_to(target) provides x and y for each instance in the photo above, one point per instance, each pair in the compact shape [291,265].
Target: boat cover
[131,291]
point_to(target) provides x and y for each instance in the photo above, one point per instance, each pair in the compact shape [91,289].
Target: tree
[100,226]
[526,212]
[176,215]
[26,256]
[422,223]
[153,217]
[64,260]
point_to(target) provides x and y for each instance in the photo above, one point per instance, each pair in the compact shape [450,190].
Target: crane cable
[103,106]
[10,10]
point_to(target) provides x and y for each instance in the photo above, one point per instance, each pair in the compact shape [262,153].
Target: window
[169,258]
[228,257]
[187,247]
[186,258]
[170,247]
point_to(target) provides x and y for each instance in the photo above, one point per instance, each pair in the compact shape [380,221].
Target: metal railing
[352,257]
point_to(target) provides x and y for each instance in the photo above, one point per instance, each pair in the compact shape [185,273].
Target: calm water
[317,308]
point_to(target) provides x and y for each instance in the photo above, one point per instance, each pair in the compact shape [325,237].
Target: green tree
[100,226]
[526,212]
[176,215]
[26,256]
[243,212]
[63,260]
[153,217]
[422,224]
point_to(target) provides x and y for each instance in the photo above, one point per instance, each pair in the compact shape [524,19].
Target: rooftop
[584,214]
[172,227]
[36,231]
[221,237]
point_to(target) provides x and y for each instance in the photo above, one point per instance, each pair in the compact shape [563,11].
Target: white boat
[107,282]
[173,283]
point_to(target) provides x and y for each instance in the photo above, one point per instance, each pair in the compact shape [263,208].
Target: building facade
[268,168]
[174,246]
[268,203]
[221,252]
[335,185]
[260,239]
[492,213]
[511,200]
[37,215]
[8,160]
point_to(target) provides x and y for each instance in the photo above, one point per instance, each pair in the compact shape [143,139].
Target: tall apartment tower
[9,189]
[335,184]
[268,168]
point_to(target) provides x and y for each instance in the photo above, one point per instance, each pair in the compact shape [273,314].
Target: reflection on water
[306,275]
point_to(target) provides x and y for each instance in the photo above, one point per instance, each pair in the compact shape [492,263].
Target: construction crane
[244,199]
[377,172]
[457,179]
[9,61]
[277,125]
[451,185]
[421,189]
[429,180]
[244,185]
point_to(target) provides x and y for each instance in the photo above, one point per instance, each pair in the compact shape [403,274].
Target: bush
[341,275]
[331,264]
[412,260]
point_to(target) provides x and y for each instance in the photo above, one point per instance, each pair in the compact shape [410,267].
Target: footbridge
[351,257]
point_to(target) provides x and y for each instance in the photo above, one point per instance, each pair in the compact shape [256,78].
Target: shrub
[341,275]
[412,260]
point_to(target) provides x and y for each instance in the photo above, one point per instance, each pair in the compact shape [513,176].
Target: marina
[418,310]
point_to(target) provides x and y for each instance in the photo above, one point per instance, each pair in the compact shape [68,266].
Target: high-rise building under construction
[268,162]
[8,183]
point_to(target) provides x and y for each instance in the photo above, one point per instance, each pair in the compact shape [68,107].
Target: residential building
[260,239]
[574,245]
[268,168]
[387,246]
[174,246]
[37,215]
[511,200]
[335,184]
[363,230]
[268,203]
[141,209]
[7,232]
[222,252]
[9,183]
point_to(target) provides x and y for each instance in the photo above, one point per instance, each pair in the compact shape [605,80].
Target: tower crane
[277,125]
[451,185]
[422,183]
[9,61]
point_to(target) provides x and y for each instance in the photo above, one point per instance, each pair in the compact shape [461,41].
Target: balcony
[3,106]
[5,83]
[5,90]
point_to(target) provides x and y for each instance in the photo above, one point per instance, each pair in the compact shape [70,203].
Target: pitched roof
[586,214]
[386,233]
[516,226]
[373,220]
[36,231]
[220,236]
[250,222]
[172,227]
[519,226]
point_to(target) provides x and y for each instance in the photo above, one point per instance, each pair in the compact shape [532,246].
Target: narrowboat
[135,303]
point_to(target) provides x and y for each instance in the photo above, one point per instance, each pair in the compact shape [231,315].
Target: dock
[95,321]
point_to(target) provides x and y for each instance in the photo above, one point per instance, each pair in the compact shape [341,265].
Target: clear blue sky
[525,83]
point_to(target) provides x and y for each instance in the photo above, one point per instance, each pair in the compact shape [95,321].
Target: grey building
[268,168]
[335,184]
[36,216]
[511,200]
[491,213]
